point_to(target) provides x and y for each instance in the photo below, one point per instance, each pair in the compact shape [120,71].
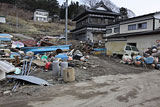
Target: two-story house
[141,31]
[91,24]
[41,15]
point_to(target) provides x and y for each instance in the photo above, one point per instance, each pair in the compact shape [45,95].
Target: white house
[141,31]
[2,19]
[41,15]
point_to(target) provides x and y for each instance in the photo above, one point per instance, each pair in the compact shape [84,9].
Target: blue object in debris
[149,60]
[13,54]
[138,57]
[99,49]
[5,37]
[45,49]
[62,56]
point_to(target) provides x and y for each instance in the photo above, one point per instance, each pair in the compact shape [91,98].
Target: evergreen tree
[124,13]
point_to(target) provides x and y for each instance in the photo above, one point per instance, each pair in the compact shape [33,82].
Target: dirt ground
[100,82]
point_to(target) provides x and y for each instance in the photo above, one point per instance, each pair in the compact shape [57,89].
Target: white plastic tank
[64,65]
[55,68]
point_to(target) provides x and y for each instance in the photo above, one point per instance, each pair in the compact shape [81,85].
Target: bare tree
[90,3]
[109,4]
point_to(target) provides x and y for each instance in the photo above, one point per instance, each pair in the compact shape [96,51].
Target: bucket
[68,75]
[64,65]
[55,68]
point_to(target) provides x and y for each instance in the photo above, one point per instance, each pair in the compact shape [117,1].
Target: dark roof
[41,10]
[101,4]
[95,11]
[102,12]
[150,14]
[134,34]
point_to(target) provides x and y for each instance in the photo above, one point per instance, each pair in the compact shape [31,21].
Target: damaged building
[91,24]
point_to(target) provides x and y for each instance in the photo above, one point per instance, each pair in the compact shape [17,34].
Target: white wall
[2,20]
[145,41]
[124,27]
[41,16]
[157,23]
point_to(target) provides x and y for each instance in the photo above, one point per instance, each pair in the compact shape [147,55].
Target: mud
[90,83]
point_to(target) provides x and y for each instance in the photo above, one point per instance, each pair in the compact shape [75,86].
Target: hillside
[25,23]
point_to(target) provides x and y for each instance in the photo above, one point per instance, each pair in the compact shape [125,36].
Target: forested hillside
[49,5]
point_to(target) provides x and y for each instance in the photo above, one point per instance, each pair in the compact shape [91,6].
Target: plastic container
[64,65]
[48,65]
[55,68]
[69,75]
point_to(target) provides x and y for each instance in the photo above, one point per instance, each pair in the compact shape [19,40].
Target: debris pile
[20,59]
[150,58]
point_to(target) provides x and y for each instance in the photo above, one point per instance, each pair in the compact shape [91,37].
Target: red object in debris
[29,43]
[48,65]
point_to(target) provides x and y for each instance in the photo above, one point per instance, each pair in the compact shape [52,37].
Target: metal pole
[17,20]
[66,26]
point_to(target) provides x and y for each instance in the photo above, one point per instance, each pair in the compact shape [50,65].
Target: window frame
[131,27]
[118,30]
[109,32]
[145,23]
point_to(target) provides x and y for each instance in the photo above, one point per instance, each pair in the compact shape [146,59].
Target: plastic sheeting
[30,79]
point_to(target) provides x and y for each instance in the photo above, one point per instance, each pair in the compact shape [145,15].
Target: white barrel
[64,65]
[55,68]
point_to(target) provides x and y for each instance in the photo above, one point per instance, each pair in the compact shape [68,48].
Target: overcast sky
[139,7]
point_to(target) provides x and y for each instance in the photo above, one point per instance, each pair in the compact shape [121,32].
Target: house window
[132,27]
[116,30]
[108,31]
[110,21]
[106,21]
[142,25]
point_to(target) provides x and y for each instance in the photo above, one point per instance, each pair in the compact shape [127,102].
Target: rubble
[150,58]
[23,58]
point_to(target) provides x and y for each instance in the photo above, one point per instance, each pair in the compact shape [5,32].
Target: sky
[139,7]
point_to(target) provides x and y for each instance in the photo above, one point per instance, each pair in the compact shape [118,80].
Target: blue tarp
[5,37]
[149,60]
[45,49]
[99,49]
[62,56]
[4,34]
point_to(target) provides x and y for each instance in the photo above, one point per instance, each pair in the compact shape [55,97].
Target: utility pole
[17,20]
[66,20]
[16,11]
